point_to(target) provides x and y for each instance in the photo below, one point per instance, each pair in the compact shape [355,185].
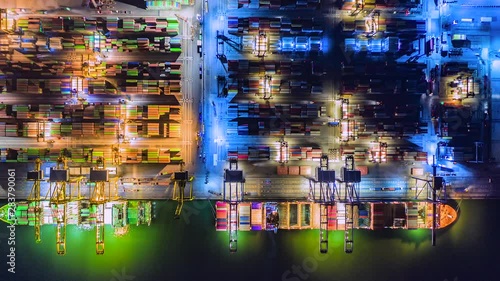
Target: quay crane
[99,176]
[181,179]
[351,179]
[261,44]
[325,196]
[432,186]
[59,176]
[34,197]
[233,192]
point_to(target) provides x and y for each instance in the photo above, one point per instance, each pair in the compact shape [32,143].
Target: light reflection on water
[191,249]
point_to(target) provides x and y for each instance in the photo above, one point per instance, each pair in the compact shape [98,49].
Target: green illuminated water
[191,249]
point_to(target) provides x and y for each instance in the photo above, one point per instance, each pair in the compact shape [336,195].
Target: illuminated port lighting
[348,130]
[265,87]
[283,155]
[261,45]
[378,152]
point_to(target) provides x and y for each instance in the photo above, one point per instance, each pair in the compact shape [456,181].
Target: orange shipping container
[282,170]
[305,170]
[293,170]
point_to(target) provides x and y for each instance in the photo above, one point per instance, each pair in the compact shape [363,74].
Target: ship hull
[305,215]
[119,213]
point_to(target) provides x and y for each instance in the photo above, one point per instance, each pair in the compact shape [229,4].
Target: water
[191,249]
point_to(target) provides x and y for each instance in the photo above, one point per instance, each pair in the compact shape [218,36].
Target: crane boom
[34,197]
[325,196]
[60,215]
[98,198]
[58,199]
[99,230]
[181,179]
[352,197]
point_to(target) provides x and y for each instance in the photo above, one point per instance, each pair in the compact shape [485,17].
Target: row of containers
[91,155]
[155,72]
[274,43]
[79,43]
[292,170]
[256,110]
[16,75]
[369,78]
[45,72]
[168,26]
[268,127]
[274,4]
[162,155]
[258,153]
[274,25]
[146,78]
[379,153]
[135,86]
[92,112]
[384,25]
[389,129]
[373,45]
[286,68]
[131,70]
[255,216]
[268,86]
[75,129]
[82,43]
[167,4]
[381,110]
[376,85]
[374,153]
[367,68]
[81,213]
[378,4]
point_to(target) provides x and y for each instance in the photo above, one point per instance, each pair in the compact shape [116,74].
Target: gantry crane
[284,151]
[76,194]
[59,176]
[34,197]
[233,192]
[351,179]
[266,87]
[99,176]
[347,125]
[261,44]
[181,179]
[433,187]
[322,191]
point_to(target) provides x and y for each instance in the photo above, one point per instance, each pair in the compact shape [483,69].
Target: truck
[444,50]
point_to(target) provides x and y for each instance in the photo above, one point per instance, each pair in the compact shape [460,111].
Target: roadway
[277,188]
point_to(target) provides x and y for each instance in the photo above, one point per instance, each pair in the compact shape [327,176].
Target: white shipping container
[340,207]
[108,216]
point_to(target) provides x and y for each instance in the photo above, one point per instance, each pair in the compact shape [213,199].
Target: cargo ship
[119,214]
[271,216]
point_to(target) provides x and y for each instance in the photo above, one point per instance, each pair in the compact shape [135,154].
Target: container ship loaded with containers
[119,214]
[306,215]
